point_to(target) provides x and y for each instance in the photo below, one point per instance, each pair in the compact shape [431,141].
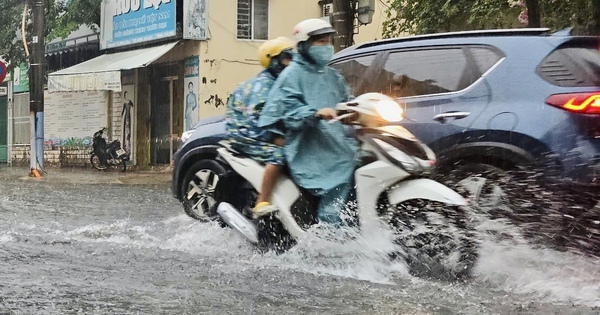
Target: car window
[485,57]
[574,64]
[354,71]
[429,71]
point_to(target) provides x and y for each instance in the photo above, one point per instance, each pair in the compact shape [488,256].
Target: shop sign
[128,22]
[70,119]
[21,79]
[194,19]
[98,81]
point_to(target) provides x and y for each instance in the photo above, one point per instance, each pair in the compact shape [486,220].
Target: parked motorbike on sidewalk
[105,155]
[427,218]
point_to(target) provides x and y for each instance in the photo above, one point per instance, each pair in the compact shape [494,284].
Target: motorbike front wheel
[95,161]
[436,239]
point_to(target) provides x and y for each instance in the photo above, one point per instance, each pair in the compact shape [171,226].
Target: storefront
[138,82]
[142,95]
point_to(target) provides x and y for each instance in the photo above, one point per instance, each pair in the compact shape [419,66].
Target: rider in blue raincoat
[243,109]
[320,155]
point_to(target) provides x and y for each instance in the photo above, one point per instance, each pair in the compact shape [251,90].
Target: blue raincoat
[320,155]
[243,110]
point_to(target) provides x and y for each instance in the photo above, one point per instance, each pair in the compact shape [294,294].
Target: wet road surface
[85,242]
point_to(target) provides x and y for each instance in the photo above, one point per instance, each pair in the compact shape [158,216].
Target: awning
[104,72]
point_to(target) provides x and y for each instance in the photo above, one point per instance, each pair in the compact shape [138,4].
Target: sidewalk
[89,176]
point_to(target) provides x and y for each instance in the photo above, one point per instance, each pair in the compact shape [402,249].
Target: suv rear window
[422,71]
[418,72]
[573,64]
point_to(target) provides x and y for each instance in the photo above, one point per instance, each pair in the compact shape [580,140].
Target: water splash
[509,262]
[344,252]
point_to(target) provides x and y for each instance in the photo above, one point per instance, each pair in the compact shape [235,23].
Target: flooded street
[106,243]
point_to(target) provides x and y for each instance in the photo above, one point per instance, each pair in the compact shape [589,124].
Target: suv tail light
[583,103]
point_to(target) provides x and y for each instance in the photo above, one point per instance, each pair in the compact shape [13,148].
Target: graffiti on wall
[68,142]
[215,100]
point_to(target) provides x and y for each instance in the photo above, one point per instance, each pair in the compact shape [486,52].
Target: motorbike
[105,155]
[428,219]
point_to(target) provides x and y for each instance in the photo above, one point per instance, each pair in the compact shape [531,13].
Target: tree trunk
[596,17]
[533,13]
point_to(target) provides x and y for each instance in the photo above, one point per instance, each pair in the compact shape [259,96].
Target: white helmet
[311,27]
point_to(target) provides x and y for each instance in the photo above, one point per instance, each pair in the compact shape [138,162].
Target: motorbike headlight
[389,110]
[407,162]
[186,135]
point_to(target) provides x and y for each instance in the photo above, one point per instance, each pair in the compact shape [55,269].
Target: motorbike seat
[227,145]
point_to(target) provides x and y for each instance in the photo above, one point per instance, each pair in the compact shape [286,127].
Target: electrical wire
[384,4]
[23,30]
[242,62]
[381,16]
[232,33]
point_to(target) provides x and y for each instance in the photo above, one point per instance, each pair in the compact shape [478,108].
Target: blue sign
[128,22]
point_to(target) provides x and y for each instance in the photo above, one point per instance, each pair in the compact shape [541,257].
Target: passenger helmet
[273,48]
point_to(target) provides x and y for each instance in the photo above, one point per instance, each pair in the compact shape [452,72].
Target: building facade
[166,65]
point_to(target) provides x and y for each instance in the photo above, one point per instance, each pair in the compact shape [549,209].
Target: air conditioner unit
[327,8]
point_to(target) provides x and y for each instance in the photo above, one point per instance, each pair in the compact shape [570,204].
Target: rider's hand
[326,113]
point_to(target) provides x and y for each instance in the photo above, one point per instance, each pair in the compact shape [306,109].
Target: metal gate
[3,129]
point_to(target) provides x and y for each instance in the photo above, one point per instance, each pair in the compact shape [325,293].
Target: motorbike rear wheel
[235,190]
[95,162]
[436,239]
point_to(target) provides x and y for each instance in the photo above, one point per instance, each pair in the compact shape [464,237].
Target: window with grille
[327,8]
[253,19]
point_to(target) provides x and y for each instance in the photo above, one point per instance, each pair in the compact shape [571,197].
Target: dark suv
[482,100]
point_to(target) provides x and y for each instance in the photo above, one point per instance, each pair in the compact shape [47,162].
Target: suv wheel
[198,189]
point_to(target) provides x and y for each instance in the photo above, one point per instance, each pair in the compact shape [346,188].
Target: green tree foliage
[432,16]
[76,13]
[61,18]
[11,46]
[560,14]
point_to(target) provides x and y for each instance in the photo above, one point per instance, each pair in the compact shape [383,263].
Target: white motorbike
[391,188]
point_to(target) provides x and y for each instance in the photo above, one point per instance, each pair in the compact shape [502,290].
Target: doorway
[162,144]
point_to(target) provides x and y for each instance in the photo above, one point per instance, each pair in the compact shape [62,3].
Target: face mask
[277,63]
[321,54]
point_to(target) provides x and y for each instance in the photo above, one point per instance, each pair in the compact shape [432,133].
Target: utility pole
[36,91]
[343,22]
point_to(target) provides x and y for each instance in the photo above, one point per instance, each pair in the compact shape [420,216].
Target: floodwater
[98,248]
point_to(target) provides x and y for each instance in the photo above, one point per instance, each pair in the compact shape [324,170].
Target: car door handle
[442,118]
